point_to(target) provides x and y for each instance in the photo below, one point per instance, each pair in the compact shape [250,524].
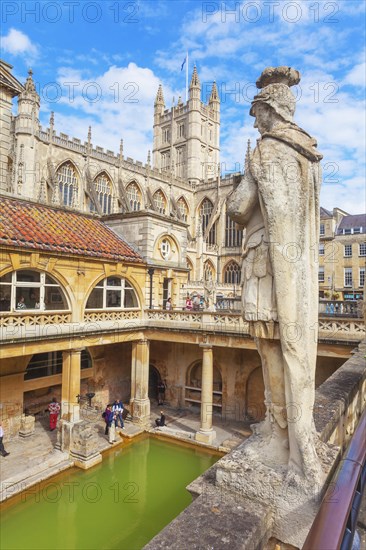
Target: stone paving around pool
[34,459]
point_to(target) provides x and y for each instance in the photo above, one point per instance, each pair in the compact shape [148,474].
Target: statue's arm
[241,202]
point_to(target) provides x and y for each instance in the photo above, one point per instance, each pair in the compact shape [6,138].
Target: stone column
[140,402]
[70,409]
[206,433]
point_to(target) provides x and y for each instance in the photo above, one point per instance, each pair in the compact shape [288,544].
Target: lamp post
[151,271]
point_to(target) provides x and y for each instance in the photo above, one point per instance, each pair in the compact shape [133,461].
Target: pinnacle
[195,81]
[160,96]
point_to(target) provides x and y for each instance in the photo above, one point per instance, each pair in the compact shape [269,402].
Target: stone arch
[231,273]
[194,385]
[183,208]
[190,266]
[254,396]
[154,378]
[160,201]
[69,181]
[105,195]
[135,195]
[209,271]
[175,251]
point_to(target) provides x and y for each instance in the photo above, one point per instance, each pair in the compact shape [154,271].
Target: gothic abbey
[171,208]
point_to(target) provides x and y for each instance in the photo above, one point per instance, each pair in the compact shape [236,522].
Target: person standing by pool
[112,427]
[106,415]
[118,409]
[54,409]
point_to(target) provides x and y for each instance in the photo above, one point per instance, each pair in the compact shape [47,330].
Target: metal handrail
[335,524]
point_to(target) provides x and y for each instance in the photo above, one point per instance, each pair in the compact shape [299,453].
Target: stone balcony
[16,327]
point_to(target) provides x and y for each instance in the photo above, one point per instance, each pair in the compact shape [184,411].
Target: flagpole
[187,78]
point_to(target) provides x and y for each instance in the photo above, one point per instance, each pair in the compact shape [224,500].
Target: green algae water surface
[120,504]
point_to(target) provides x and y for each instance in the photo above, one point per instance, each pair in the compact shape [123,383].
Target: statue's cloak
[285,166]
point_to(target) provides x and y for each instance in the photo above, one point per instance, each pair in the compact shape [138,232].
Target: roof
[324,213]
[40,227]
[349,222]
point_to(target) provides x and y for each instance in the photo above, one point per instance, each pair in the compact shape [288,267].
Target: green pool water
[120,504]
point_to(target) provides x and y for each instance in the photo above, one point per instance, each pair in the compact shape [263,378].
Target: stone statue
[277,201]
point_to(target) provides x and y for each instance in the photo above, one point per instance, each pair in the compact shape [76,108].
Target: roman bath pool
[119,504]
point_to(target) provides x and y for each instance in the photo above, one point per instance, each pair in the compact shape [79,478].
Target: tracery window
[232,273]
[190,272]
[134,197]
[208,272]
[233,235]
[28,290]
[113,292]
[183,208]
[103,188]
[206,209]
[68,183]
[159,201]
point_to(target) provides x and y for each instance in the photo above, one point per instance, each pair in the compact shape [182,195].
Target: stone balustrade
[17,326]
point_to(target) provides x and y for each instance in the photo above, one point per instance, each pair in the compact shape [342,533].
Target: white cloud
[117,104]
[18,43]
[356,76]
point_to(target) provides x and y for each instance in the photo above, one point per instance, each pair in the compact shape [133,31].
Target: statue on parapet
[277,201]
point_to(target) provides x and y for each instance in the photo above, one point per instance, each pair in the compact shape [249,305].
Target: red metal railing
[335,524]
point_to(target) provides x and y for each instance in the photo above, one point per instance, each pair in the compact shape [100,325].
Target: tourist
[168,304]
[21,303]
[189,304]
[3,452]
[106,416]
[161,392]
[112,427]
[118,409]
[196,303]
[160,422]
[54,409]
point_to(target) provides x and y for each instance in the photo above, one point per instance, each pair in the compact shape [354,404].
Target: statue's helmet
[275,83]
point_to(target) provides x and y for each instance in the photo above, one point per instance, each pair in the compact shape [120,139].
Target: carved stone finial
[159,100]
[52,118]
[89,134]
[149,157]
[29,84]
[195,81]
[214,94]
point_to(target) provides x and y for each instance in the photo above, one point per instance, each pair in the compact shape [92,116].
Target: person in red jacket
[54,409]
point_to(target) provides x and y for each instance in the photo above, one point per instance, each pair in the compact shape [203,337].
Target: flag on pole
[184,62]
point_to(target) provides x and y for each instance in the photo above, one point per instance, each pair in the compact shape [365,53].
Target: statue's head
[275,92]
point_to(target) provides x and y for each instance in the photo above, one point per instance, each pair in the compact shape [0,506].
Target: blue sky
[100,63]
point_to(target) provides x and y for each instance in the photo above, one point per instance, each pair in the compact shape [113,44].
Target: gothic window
[233,235]
[134,197]
[165,160]
[166,135]
[180,161]
[159,201]
[103,187]
[68,183]
[165,249]
[183,208]
[30,290]
[205,214]
[181,130]
[114,293]
[232,273]
[208,272]
[190,267]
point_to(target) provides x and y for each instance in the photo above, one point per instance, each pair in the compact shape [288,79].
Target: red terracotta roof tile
[40,227]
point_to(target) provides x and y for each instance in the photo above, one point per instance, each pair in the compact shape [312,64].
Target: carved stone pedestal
[81,441]
[141,412]
[84,447]
[292,500]
[26,425]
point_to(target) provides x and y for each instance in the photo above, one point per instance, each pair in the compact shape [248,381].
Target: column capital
[206,346]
